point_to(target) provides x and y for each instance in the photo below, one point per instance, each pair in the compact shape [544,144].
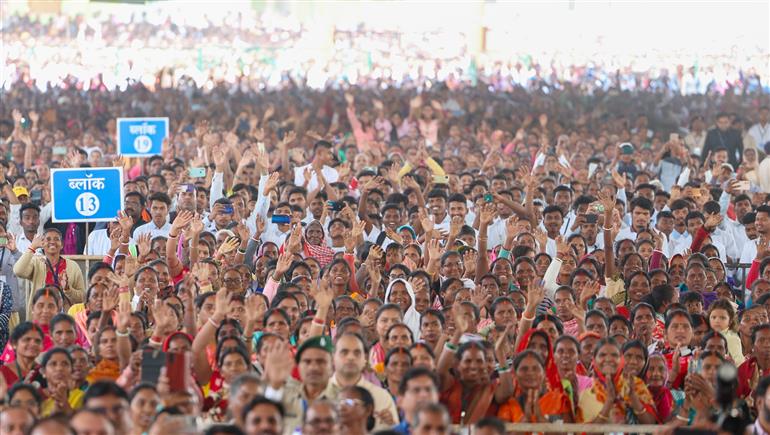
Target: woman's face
[136,327]
[25,399]
[421,358]
[277,324]
[29,345]
[232,366]
[566,357]
[539,344]
[398,364]
[638,288]
[399,337]
[237,311]
[95,297]
[44,309]
[339,274]
[472,366]
[315,234]
[656,371]
[81,365]
[412,254]
[503,271]
[352,409]
[634,358]
[542,264]
[607,360]
[400,296]
[58,370]
[462,295]
[550,329]
[179,344]
[108,344]
[144,406]
[530,374]
[632,265]
[525,274]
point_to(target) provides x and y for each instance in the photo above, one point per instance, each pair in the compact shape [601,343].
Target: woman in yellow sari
[615,397]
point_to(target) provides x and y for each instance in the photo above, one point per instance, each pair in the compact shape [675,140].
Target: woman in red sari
[46,303]
[27,343]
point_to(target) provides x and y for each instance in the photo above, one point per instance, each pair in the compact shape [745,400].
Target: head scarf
[322,253]
[411,317]
[551,371]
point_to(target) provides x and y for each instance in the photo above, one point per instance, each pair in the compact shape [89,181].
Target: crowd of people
[401,259]
[269,50]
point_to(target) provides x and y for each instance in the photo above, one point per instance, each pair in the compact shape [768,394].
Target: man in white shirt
[25,223]
[762,225]
[99,240]
[159,225]
[641,213]
[761,130]
[323,156]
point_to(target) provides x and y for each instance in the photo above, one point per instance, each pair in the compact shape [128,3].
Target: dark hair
[677,313]
[493,423]
[416,372]
[550,318]
[229,429]
[398,350]
[53,351]
[22,329]
[21,386]
[711,334]
[104,388]
[262,400]
[59,318]
[755,330]
[638,307]
[527,353]
[160,196]
[368,400]
[435,313]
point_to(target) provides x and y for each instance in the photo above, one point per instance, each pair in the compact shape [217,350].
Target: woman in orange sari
[615,397]
[533,402]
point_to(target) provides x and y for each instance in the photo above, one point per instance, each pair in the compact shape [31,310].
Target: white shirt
[153,230]
[628,233]
[14,219]
[98,243]
[749,252]
[761,134]
[330,174]
[22,242]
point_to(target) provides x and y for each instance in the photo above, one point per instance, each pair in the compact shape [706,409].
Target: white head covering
[411,317]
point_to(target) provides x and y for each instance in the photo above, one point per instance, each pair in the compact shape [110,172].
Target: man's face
[391,218]
[588,231]
[321,419]
[640,217]
[437,206]
[263,420]
[133,207]
[30,220]
[186,201]
[241,398]
[419,391]
[91,423]
[693,224]
[665,225]
[563,200]
[723,123]
[432,423]
[349,356]
[159,212]
[762,223]
[297,199]
[315,366]
[15,421]
[114,408]
[553,222]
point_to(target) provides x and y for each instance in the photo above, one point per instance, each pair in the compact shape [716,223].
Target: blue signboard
[86,194]
[141,137]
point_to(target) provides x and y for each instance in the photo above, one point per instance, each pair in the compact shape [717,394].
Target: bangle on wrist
[529,319]
[122,334]
[606,229]
[172,236]
[241,251]
[214,323]
[450,347]
[318,321]
[682,419]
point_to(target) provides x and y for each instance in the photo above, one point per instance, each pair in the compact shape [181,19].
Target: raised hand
[712,221]
[323,294]
[115,235]
[109,299]
[283,265]
[228,246]
[126,222]
[11,244]
[279,363]
[461,323]
[288,138]
[535,295]
[120,281]
[294,242]
[255,309]
[124,314]
[272,183]
[487,215]
[181,221]
[37,242]
[144,244]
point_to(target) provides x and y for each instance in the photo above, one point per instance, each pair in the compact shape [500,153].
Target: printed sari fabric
[554,406]
[592,400]
[469,405]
